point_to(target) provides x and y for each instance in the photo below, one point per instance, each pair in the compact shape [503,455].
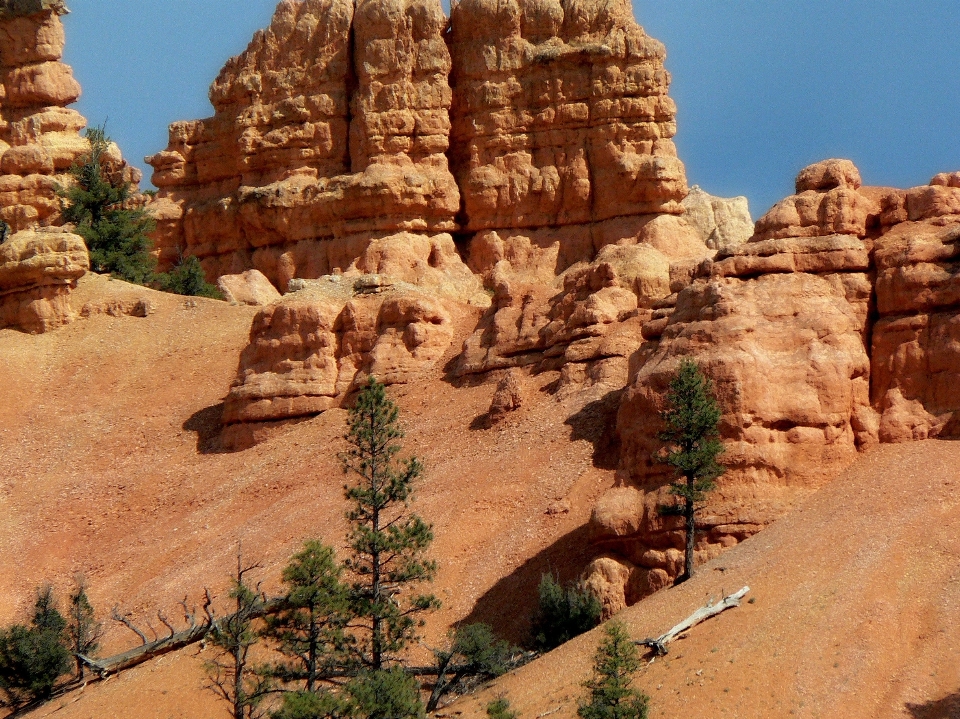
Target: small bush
[500,709]
[33,658]
[385,694]
[310,705]
[188,279]
[614,665]
[563,613]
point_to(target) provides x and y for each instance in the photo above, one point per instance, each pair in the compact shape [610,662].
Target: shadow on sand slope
[946,708]
[508,606]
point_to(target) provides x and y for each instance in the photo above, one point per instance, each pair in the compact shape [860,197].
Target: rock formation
[38,269]
[786,327]
[307,352]
[330,132]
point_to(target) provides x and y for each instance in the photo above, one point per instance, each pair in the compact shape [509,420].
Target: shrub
[500,709]
[563,613]
[385,694]
[310,705]
[610,694]
[188,278]
[33,658]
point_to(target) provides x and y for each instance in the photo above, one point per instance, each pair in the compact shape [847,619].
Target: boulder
[38,270]
[249,288]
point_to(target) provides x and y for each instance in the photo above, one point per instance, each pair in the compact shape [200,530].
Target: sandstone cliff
[828,331]
[39,141]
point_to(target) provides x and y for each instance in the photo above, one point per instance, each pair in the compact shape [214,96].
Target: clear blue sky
[763,88]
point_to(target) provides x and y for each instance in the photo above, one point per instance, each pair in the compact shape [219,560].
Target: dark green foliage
[388,542]
[188,278]
[384,694]
[614,665]
[563,613]
[475,654]
[692,440]
[311,705]
[231,674]
[97,202]
[500,709]
[309,630]
[33,658]
[83,630]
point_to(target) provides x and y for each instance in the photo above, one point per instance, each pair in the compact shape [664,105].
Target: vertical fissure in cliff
[351,84]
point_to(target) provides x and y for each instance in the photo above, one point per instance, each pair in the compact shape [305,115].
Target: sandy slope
[108,466]
[856,613]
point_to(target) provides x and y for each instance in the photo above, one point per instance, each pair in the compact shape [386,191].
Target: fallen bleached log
[659,645]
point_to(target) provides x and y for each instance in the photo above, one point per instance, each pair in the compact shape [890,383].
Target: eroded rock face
[39,136]
[780,325]
[916,341]
[38,269]
[318,140]
[308,351]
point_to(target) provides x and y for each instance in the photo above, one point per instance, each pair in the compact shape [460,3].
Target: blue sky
[763,88]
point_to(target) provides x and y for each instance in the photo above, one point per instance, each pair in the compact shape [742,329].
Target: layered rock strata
[39,136]
[831,329]
[310,350]
[38,269]
[330,131]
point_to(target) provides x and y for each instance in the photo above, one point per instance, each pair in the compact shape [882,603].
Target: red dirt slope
[856,613]
[109,466]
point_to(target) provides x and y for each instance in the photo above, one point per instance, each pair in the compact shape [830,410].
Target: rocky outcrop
[38,269]
[781,326]
[916,341]
[561,115]
[330,132]
[723,223]
[309,351]
[39,136]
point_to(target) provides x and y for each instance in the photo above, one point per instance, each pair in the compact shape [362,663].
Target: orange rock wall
[335,127]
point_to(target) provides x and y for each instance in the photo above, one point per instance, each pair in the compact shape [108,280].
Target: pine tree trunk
[689,513]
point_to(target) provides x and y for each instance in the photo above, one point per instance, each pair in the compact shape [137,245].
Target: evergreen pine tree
[384,694]
[614,665]
[97,203]
[33,658]
[388,542]
[309,629]
[83,630]
[692,439]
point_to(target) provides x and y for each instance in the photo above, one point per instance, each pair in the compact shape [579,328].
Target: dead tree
[659,645]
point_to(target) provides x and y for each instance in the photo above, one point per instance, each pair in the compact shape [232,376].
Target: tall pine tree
[692,440]
[388,542]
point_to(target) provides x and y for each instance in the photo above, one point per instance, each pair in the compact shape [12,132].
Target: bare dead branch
[125,621]
[168,625]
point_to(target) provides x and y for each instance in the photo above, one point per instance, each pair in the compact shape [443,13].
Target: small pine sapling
[500,709]
[611,696]
[83,630]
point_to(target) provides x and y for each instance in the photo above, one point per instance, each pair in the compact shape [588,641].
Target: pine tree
[388,542]
[475,654]
[97,202]
[615,662]
[83,630]
[231,672]
[33,658]
[563,613]
[692,439]
[309,629]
